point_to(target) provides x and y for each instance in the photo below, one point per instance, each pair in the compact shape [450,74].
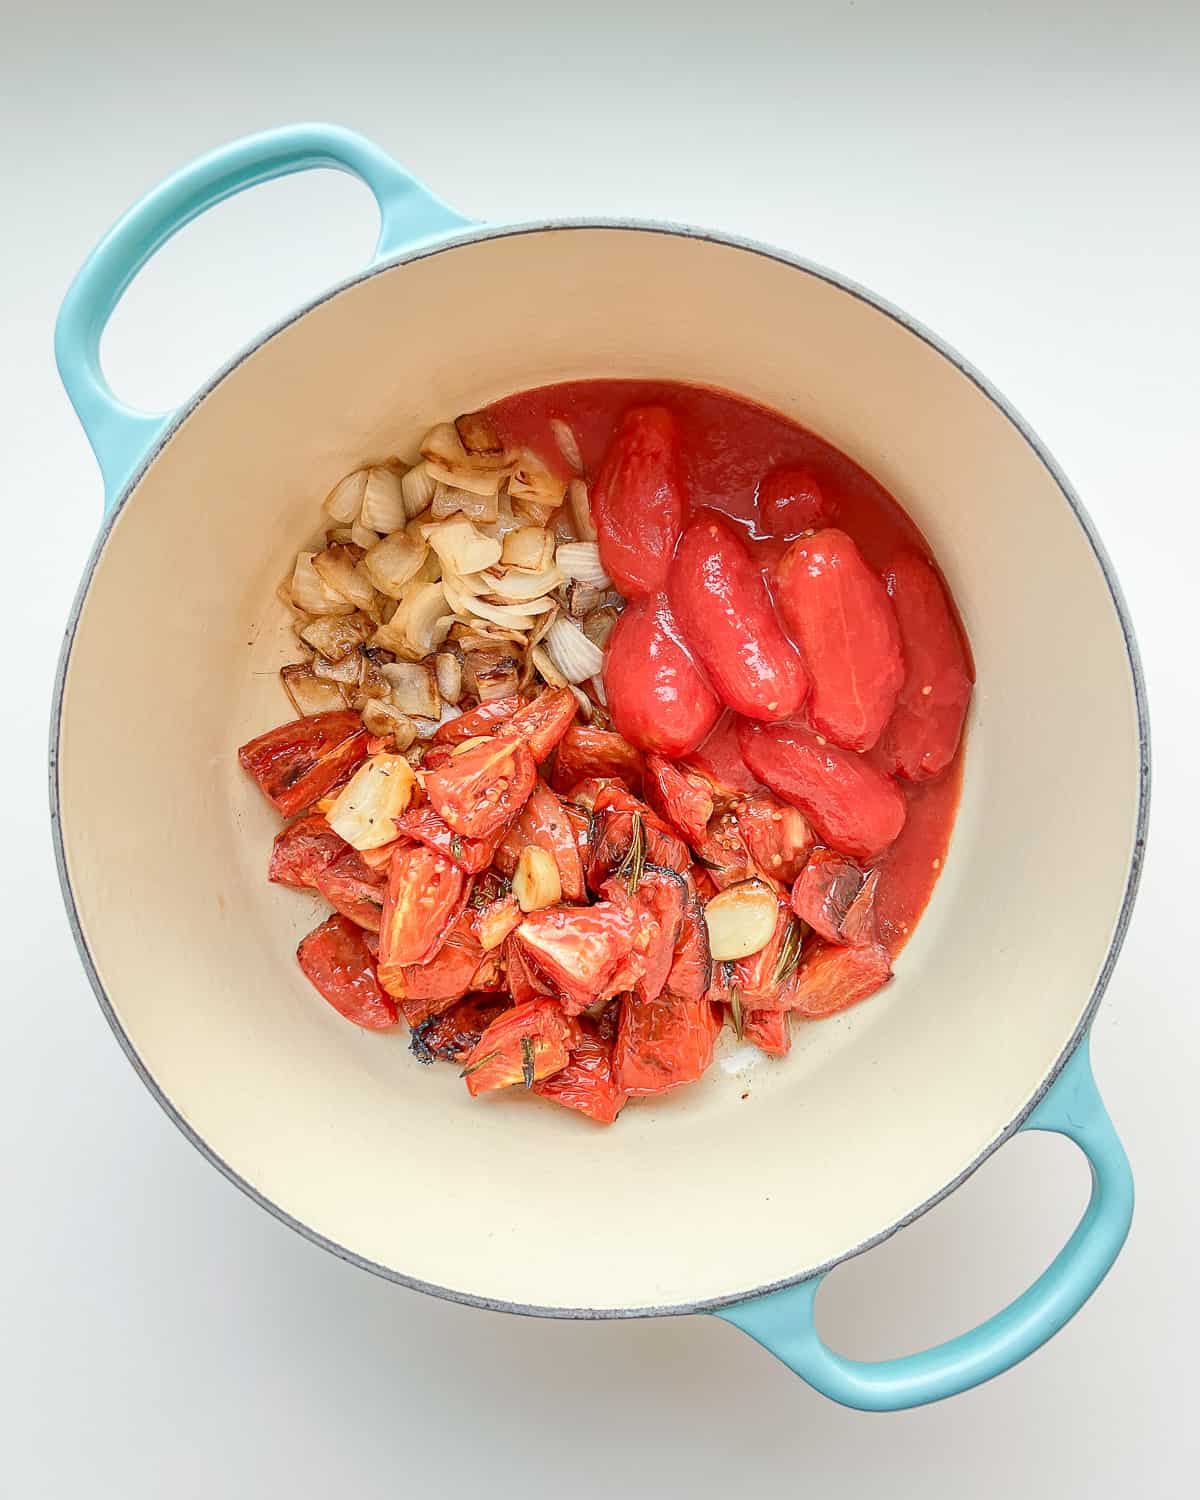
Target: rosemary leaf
[475,1066]
[735,1010]
[633,865]
[789,953]
[456,847]
[527,1061]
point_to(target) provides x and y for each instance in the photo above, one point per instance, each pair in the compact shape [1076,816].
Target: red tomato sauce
[729,445]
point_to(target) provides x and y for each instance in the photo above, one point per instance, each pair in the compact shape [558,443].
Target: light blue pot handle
[120,436]
[783,1321]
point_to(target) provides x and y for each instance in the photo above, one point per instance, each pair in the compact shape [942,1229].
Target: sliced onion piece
[492,672]
[580,507]
[344,501]
[421,622]
[378,791]
[394,562]
[478,435]
[530,548]
[451,499]
[339,568]
[448,668]
[544,664]
[466,605]
[383,506]
[336,636]
[381,718]
[574,655]
[581,560]
[461,547]
[309,591]
[568,443]
[531,480]
[308,693]
[598,625]
[418,488]
[347,671]
[517,587]
[581,599]
[413,688]
[477,481]
[362,536]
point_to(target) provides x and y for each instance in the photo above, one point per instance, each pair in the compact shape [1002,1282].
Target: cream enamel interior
[707,1194]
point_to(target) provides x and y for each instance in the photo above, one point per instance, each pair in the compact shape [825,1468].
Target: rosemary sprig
[789,953]
[633,865]
[735,1011]
[527,1061]
[474,1067]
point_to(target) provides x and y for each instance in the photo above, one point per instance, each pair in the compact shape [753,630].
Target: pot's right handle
[783,1321]
[120,436]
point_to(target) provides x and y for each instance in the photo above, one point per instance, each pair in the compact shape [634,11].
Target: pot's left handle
[120,436]
[782,1321]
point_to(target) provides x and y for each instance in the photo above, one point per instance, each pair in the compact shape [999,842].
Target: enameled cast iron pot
[698,1201]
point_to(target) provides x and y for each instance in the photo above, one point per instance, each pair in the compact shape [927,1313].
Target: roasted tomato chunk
[657,695]
[723,854]
[663,1043]
[839,613]
[522,1045]
[579,949]
[836,898]
[544,822]
[852,806]
[657,906]
[829,979]
[586,752]
[769,1030]
[302,850]
[524,982]
[299,762]
[543,722]
[485,718]
[352,887]
[759,979]
[424,826]
[452,1035]
[482,788]
[776,835]
[639,501]
[425,893]
[683,798]
[691,967]
[495,920]
[336,961]
[924,732]
[587,1083]
[719,761]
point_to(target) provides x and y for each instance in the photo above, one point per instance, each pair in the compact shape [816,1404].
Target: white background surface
[1020,177]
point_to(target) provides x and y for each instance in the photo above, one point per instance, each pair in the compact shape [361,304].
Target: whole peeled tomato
[658,697]
[924,732]
[790,502]
[852,806]
[638,501]
[839,613]
[725,612]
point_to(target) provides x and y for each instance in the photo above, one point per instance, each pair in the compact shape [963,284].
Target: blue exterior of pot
[412,218]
